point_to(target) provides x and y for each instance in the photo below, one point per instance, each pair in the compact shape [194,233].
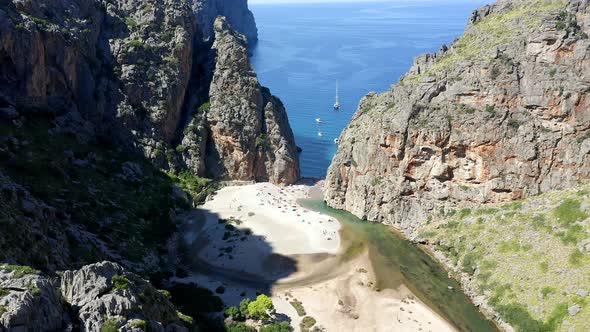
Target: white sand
[349,302]
[298,250]
[280,228]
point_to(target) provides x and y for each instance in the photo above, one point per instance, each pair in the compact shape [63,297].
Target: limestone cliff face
[131,72]
[501,114]
[119,69]
[236,12]
[97,297]
[250,137]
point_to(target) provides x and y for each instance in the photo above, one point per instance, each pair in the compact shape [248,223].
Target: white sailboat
[337,103]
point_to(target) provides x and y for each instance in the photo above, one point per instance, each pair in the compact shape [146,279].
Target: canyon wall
[134,73]
[500,114]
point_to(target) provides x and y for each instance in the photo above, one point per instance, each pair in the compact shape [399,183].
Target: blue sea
[305,48]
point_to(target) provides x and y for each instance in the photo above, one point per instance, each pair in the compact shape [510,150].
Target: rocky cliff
[98,297]
[250,136]
[236,12]
[499,115]
[106,116]
[128,72]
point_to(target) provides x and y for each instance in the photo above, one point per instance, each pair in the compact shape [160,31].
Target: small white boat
[337,103]
[320,134]
[336,141]
[318,120]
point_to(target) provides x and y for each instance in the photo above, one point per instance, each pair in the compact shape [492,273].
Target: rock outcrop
[501,114]
[29,301]
[92,298]
[250,137]
[236,12]
[105,292]
[128,72]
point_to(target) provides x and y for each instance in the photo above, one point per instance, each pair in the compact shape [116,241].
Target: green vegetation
[199,188]
[262,141]
[494,30]
[569,212]
[261,308]
[2,310]
[376,181]
[298,307]
[276,327]
[139,323]
[3,292]
[188,321]
[240,327]
[19,271]
[547,290]
[307,323]
[490,109]
[197,304]
[244,307]
[205,107]
[35,291]
[526,258]
[119,282]
[131,23]
[234,313]
[109,326]
[85,182]
[466,109]
[40,22]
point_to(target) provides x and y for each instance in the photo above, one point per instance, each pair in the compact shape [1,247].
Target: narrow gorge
[149,181]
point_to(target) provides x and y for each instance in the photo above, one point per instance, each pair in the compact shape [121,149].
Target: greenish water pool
[397,261]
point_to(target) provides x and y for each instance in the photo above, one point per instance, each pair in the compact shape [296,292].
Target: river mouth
[398,262]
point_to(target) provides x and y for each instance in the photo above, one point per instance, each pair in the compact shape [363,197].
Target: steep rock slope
[128,72]
[528,261]
[250,137]
[236,12]
[97,297]
[499,115]
[113,68]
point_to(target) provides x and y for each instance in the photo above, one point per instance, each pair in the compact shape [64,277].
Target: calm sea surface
[305,48]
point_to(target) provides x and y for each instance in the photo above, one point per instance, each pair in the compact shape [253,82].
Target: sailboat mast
[337,92]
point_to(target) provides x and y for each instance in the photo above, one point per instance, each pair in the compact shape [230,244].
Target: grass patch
[576,258]
[298,307]
[109,326]
[19,271]
[569,212]
[307,323]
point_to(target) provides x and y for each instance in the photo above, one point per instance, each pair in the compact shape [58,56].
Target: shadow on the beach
[275,266]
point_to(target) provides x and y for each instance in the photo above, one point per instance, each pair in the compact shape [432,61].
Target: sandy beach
[257,238]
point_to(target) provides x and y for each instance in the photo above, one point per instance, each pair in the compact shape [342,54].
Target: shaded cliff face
[235,11]
[499,115]
[117,69]
[250,137]
[134,73]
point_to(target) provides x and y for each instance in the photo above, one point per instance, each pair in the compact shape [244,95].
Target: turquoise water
[397,261]
[305,48]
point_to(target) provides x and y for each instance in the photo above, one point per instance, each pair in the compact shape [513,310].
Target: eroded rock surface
[236,12]
[501,114]
[105,292]
[130,72]
[94,296]
[250,136]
